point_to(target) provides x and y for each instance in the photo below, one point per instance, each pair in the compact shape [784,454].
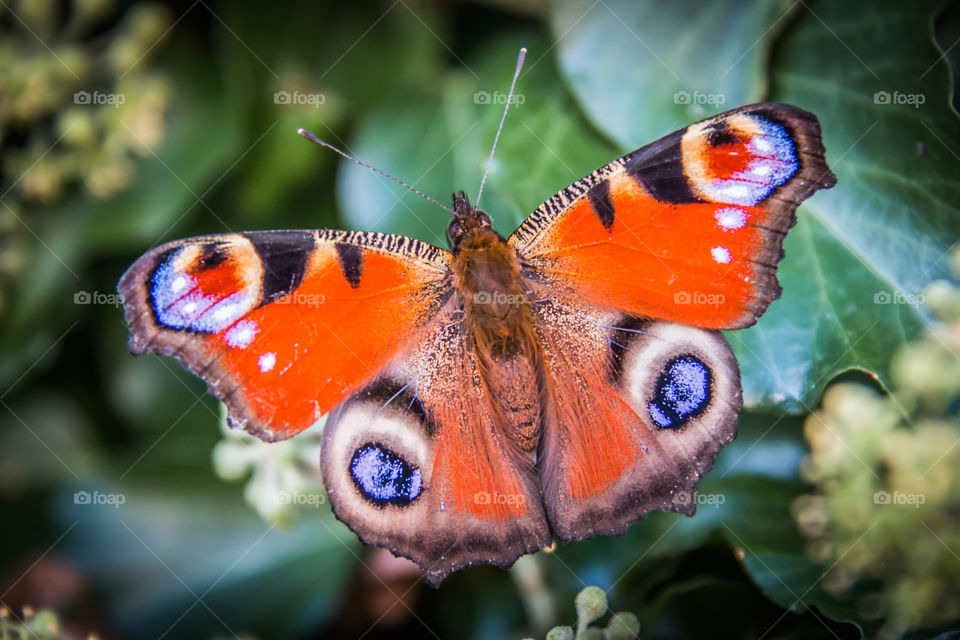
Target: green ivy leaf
[642,70]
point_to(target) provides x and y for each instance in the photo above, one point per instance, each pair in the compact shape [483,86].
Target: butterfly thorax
[487,277]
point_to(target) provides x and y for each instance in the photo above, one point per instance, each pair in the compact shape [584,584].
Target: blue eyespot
[682,392]
[179,303]
[384,477]
[773,161]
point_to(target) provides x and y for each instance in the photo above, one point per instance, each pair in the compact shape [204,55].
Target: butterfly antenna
[516,73]
[314,139]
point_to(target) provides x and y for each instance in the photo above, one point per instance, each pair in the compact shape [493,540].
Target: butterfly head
[467,221]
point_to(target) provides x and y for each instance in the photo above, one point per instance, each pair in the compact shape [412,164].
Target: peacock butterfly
[483,400]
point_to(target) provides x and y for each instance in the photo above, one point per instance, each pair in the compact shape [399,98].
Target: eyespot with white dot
[770,160]
[180,304]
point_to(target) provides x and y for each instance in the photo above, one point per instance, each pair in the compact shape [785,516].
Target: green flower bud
[561,633]
[591,603]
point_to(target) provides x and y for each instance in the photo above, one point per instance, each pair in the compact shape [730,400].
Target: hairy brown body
[497,313]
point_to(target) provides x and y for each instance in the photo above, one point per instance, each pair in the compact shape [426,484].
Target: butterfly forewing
[283,324]
[689,228]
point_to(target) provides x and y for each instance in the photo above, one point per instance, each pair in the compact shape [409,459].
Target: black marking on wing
[599,198]
[284,256]
[659,168]
[773,117]
[391,394]
[351,263]
[720,135]
[620,336]
[212,256]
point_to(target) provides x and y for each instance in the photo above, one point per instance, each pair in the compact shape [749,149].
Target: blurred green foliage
[40,625]
[884,516]
[166,542]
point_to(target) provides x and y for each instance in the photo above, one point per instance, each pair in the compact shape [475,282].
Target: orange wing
[282,325]
[688,229]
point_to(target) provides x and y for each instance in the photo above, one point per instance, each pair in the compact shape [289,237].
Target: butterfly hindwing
[415,462]
[283,324]
[687,229]
[638,411]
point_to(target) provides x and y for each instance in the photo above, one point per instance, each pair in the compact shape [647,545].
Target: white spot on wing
[267,361]
[240,335]
[760,169]
[179,283]
[721,255]
[731,218]
[736,192]
[761,144]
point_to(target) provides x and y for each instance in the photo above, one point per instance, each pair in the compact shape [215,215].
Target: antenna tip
[309,136]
